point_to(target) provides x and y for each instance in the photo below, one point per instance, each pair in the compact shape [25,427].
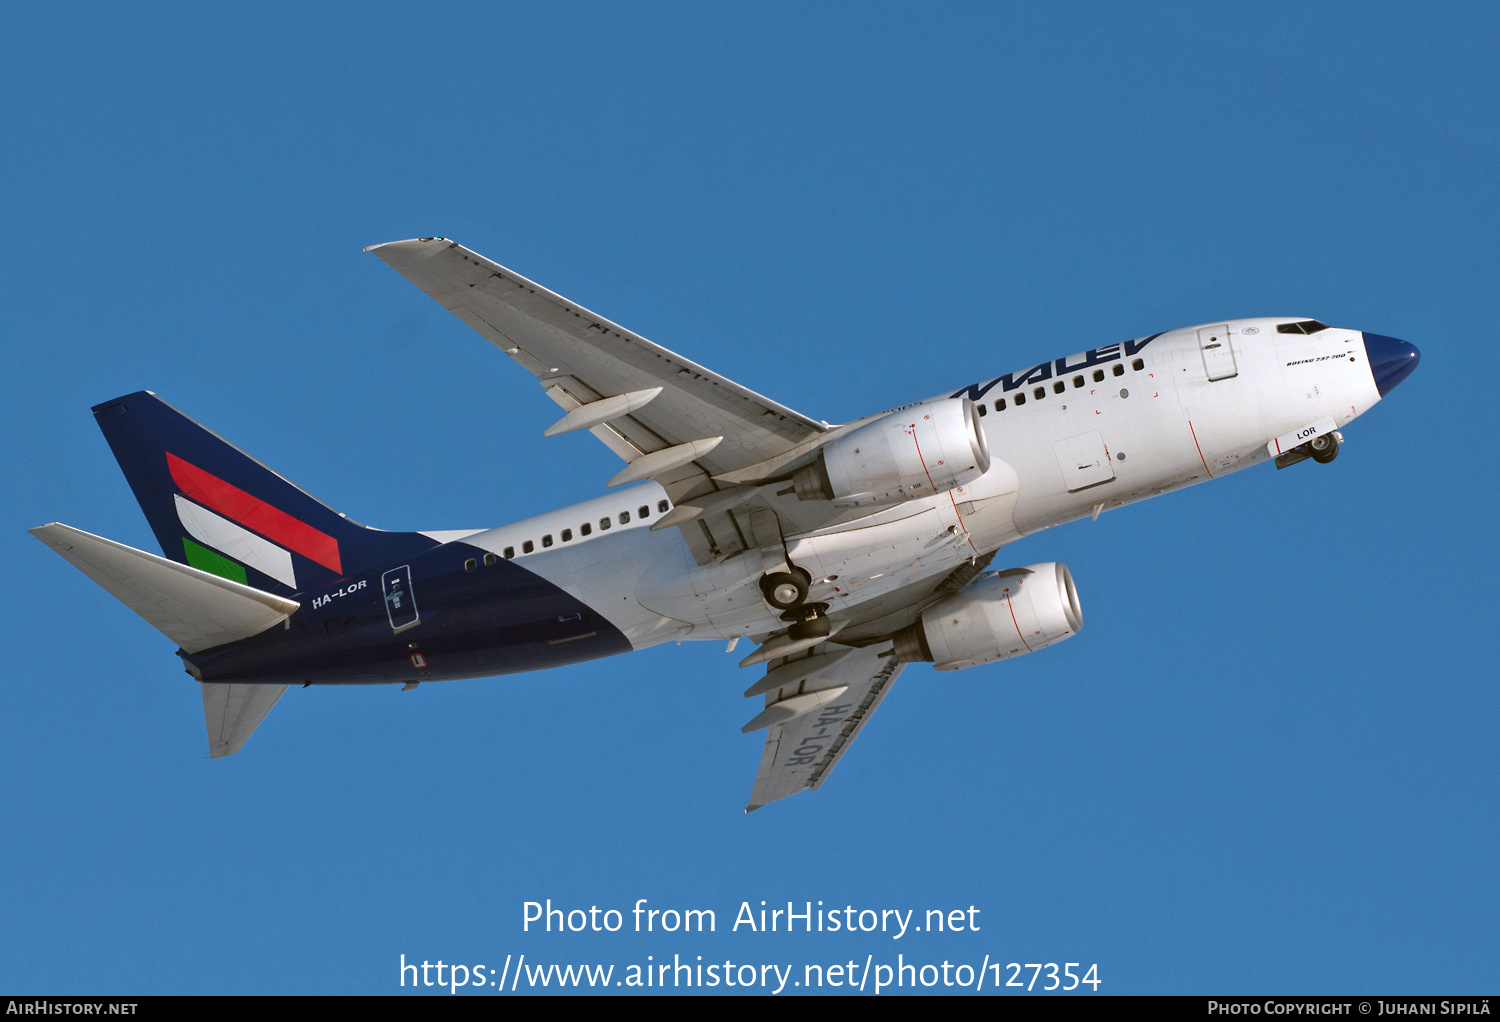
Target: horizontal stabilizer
[195,609]
[233,712]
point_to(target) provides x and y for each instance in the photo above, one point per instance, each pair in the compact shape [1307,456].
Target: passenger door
[1218,355]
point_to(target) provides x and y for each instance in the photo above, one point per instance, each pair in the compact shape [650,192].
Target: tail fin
[215,508]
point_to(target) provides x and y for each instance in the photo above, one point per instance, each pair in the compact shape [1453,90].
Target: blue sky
[1266,764]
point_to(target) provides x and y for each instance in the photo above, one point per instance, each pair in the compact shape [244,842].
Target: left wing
[818,706]
[673,420]
[709,442]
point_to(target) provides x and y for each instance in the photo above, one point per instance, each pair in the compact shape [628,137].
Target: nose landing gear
[1324,448]
[1321,449]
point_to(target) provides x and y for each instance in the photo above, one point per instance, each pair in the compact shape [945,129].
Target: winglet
[407,241]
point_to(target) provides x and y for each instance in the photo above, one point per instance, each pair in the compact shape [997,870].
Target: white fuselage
[1156,421]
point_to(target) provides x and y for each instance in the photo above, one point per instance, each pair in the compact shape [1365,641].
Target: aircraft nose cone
[1391,360]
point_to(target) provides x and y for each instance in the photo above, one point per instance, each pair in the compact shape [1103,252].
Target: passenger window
[470,564]
[624,517]
[1119,370]
[1059,387]
[1000,405]
[1078,381]
[527,547]
[567,535]
[1098,375]
[1039,393]
[982,411]
[1138,364]
[1020,399]
[585,529]
[489,560]
[643,512]
[510,552]
[604,525]
[547,540]
[662,506]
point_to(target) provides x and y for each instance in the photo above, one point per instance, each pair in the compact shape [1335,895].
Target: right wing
[818,701]
[842,686]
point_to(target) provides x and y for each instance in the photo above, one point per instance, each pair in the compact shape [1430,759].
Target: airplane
[842,552]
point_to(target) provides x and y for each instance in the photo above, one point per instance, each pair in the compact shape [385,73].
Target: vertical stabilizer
[214,507]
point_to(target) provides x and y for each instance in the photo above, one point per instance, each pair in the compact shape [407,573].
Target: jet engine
[926,449]
[998,616]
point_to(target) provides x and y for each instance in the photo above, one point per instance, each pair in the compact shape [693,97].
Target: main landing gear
[787,592]
[785,589]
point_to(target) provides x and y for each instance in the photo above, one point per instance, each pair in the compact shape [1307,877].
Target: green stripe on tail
[205,559]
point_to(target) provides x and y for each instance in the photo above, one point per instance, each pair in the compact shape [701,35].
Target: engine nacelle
[926,449]
[1006,614]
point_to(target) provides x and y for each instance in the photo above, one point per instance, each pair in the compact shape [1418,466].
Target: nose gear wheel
[1324,448]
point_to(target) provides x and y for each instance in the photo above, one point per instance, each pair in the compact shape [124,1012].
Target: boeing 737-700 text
[842,552]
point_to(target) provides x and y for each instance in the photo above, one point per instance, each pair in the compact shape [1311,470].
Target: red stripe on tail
[251,511]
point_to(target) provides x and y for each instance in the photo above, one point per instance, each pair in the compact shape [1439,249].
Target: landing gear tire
[1324,448]
[784,589]
[812,622]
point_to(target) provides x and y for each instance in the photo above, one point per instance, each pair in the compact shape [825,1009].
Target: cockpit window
[1307,326]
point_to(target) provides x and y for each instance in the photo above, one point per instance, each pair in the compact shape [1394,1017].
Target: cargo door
[1218,356]
[1084,461]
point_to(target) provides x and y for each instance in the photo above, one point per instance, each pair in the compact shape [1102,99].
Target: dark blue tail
[214,507]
